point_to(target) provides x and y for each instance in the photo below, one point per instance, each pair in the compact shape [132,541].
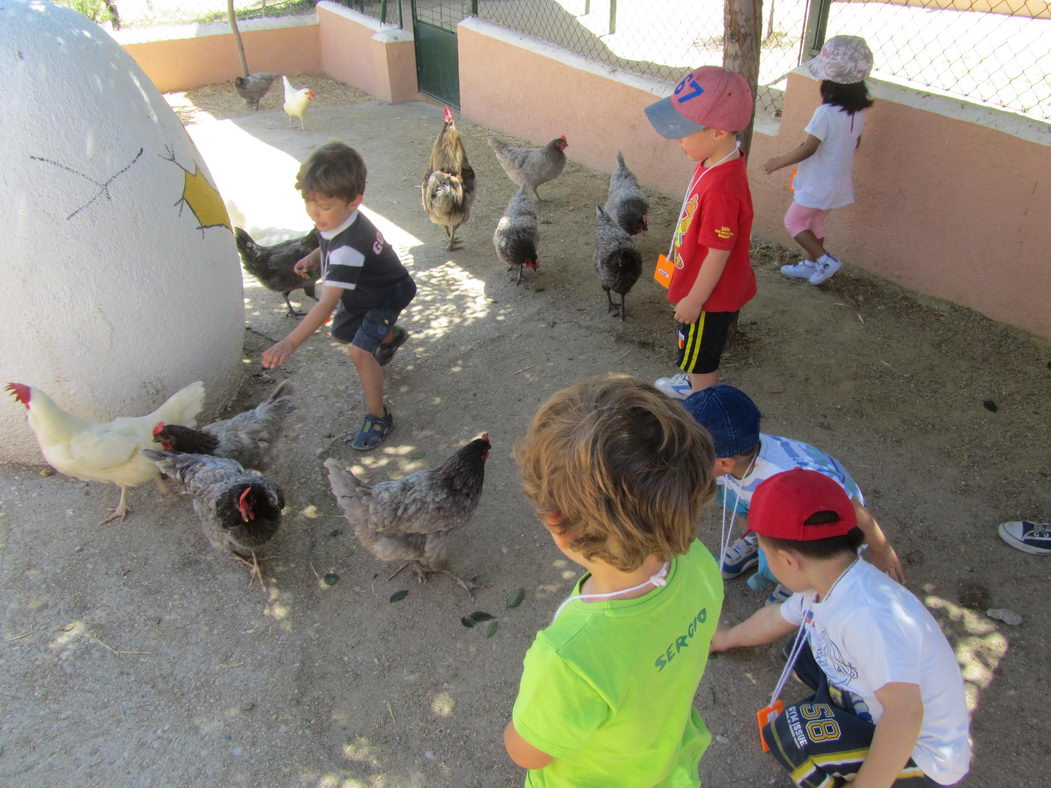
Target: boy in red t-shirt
[713,275]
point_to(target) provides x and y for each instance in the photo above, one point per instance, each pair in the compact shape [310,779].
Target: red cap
[782,503]
[708,97]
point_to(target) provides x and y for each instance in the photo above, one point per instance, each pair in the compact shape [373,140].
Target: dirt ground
[134,655]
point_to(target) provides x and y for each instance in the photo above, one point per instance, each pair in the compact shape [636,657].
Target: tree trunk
[237,35]
[742,31]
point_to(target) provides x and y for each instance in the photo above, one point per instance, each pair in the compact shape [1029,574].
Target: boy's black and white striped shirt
[355,257]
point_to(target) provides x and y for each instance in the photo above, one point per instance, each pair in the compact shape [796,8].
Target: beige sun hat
[843,59]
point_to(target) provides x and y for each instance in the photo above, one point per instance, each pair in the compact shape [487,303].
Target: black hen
[272,265]
[239,510]
[253,87]
[617,261]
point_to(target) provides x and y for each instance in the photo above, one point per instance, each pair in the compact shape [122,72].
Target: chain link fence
[993,51]
[996,52]
[662,39]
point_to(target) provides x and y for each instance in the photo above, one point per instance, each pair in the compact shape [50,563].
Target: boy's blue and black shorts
[701,343]
[364,317]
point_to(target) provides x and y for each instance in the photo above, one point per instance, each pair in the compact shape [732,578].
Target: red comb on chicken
[244,505]
[158,428]
[20,391]
[447,115]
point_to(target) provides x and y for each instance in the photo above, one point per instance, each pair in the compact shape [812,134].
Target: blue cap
[729,415]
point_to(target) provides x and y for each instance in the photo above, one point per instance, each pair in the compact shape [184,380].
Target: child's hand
[302,267]
[278,354]
[687,312]
[719,640]
[772,165]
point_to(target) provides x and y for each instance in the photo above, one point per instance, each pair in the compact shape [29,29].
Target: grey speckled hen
[617,261]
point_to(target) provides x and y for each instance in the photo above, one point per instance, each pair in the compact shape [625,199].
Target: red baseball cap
[782,504]
[708,97]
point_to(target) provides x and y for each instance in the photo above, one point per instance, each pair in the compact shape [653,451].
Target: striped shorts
[823,741]
[701,343]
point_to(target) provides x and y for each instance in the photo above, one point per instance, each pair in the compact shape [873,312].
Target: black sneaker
[385,352]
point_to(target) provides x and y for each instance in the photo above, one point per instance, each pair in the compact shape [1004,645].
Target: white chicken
[296,102]
[104,451]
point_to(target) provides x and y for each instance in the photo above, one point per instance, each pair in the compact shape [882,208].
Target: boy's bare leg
[812,245]
[704,380]
[371,374]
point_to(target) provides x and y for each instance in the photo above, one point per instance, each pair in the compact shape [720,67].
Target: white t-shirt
[825,180]
[870,631]
[777,454]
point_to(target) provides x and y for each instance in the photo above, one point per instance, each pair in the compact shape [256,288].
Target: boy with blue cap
[747,457]
[709,263]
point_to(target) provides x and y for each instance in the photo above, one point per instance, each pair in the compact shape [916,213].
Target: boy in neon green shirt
[619,475]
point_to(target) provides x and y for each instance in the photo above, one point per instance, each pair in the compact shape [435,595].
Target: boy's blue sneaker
[1029,537]
[778,595]
[676,387]
[739,557]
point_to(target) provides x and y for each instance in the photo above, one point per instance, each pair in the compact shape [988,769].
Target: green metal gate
[434,31]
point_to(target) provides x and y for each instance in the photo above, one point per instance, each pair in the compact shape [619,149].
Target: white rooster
[296,102]
[104,451]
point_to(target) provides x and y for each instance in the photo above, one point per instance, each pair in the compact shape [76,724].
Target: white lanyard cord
[728,525]
[801,638]
[689,191]
[797,646]
[659,579]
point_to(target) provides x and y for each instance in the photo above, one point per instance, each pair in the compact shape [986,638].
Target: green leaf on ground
[515,599]
[397,596]
[480,615]
[467,621]
[493,626]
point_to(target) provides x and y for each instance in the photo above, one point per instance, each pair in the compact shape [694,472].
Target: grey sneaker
[804,269]
[676,387]
[825,271]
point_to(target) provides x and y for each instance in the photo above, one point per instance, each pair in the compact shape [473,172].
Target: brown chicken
[531,167]
[248,437]
[448,185]
[411,519]
[272,265]
[239,510]
[253,87]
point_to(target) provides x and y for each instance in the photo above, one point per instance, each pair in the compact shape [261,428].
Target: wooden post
[742,31]
[237,36]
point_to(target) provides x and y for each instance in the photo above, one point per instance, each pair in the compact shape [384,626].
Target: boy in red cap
[712,275]
[889,706]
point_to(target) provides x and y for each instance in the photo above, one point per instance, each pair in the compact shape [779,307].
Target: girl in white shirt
[824,179]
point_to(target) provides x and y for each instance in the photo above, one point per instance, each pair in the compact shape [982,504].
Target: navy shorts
[701,343]
[372,315]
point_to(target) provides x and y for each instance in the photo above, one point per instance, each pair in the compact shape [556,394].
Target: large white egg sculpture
[118,268]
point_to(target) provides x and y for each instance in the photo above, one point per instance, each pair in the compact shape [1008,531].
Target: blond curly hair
[619,465]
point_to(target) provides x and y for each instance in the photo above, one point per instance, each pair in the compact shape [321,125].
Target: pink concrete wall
[948,207]
[184,63]
[357,50]
[531,93]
